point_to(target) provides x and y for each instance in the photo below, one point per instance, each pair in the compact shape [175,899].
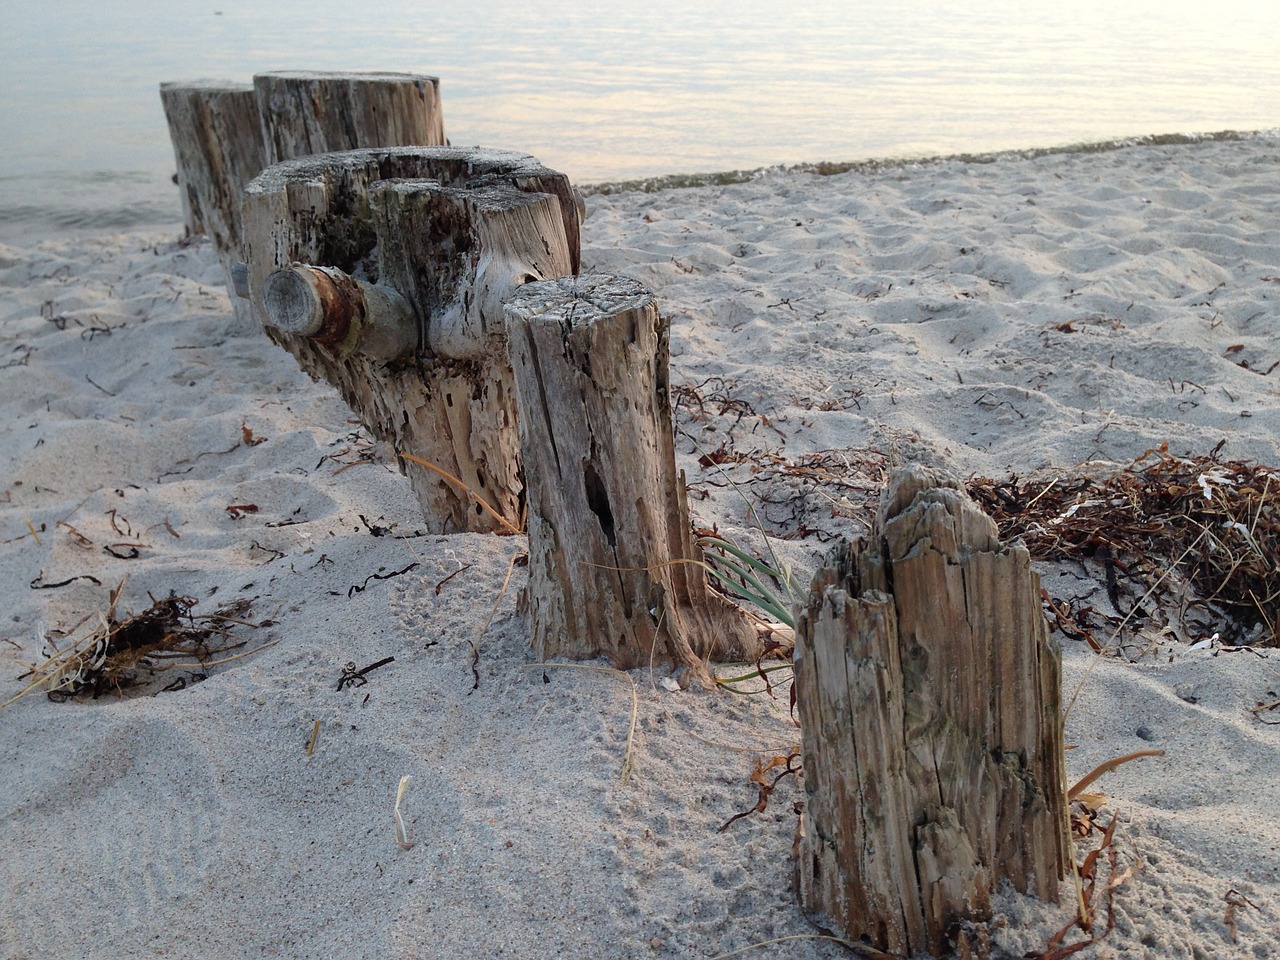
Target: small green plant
[771,589]
[740,572]
[767,585]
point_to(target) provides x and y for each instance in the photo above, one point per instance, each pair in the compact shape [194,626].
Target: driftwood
[217,143]
[610,540]
[451,233]
[929,699]
[305,113]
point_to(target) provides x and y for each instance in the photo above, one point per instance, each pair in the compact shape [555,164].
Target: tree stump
[930,705]
[305,113]
[610,540]
[452,233]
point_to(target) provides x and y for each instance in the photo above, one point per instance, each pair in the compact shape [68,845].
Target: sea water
[620,89]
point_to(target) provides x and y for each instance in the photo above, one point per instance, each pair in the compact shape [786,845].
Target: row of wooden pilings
[438,290]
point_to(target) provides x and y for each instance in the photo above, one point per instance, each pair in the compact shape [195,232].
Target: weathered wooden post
[930,708]
[224,134]
[612,559]
[435,239]
[304,112]
[217,144]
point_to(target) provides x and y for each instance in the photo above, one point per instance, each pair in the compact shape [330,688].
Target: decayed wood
[929,697]
[609,521]
[217,144]
[224,134]
[453,232]
[482,242]
[305,112]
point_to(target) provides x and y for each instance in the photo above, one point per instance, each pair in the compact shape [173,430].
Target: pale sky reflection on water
[620,89]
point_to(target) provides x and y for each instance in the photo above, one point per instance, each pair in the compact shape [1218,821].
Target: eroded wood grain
[454,232]
[929,694]
[612,559]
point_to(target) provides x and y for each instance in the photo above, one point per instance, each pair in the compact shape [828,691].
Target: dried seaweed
[362,587]
[1235,901]
[1095,886]
[356,678]
[712,397]
[790,765]
[1198,535]
[113,652]
[795,497]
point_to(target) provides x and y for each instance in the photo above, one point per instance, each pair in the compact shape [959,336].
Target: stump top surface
[578,300]
[205,83]
[400,163]
[371,76]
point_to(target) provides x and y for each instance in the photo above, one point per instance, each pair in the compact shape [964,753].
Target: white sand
[907,314]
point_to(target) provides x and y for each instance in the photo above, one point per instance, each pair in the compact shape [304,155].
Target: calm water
[623,89]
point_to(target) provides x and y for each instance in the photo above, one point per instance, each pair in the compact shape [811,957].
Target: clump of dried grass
[1199,534]
[113,652]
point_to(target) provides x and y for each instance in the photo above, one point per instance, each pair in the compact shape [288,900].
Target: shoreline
[879,164]
[82,202]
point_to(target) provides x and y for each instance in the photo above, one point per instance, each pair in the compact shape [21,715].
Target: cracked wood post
[449,233]
[608,512]
[929,696]
[304,112]
[217,145]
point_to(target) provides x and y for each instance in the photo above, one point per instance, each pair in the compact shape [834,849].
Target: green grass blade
[752,590]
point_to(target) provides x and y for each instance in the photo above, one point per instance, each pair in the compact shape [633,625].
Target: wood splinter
[339,312]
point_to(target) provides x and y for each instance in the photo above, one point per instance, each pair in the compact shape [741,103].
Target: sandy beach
[1017,317]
